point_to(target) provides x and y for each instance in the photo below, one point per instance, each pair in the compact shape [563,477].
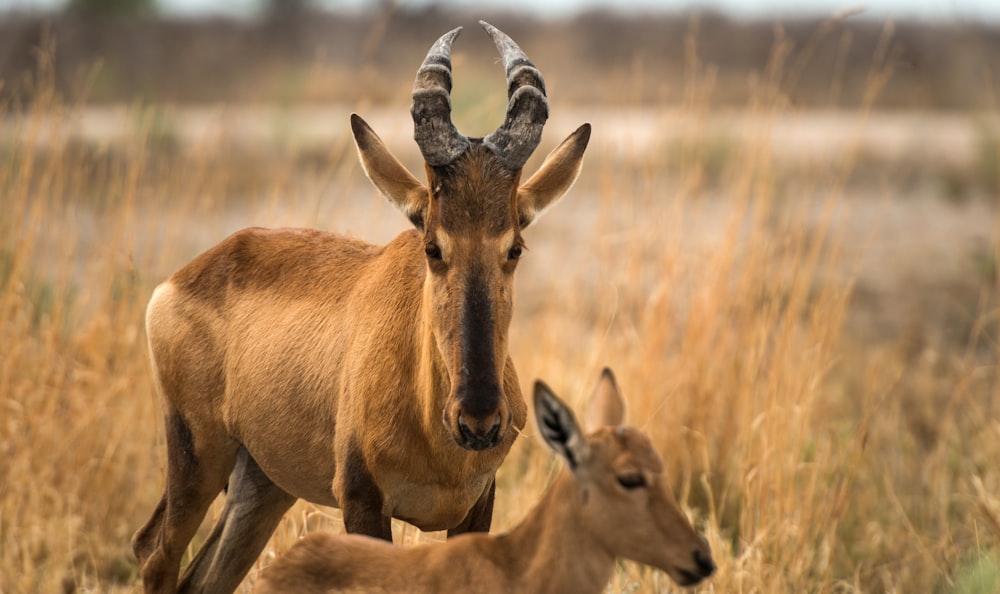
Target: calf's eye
[632,481]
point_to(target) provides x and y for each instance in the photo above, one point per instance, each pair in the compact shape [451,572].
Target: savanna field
[789,259]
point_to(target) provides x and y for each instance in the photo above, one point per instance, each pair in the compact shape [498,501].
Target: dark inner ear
[556,423]
[417,218]
[558,436]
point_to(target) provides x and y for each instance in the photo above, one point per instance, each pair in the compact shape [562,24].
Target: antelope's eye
[514,253]
[632,481]
[433,251]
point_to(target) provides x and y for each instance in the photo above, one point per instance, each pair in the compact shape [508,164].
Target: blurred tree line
[292,50]
[281,8]
[112,7]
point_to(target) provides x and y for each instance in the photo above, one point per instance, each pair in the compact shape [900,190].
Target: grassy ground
[811,343]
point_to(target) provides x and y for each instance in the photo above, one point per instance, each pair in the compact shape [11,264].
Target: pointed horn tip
[443,43]
[496,34]
[449,37]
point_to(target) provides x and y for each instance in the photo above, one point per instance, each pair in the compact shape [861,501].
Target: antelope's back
[292,264]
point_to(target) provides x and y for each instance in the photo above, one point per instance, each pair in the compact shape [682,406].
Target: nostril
[494,430]
[488,434]
[704,563]
[481,439]
[464,429]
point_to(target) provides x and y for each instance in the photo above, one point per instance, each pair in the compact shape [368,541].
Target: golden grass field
[810,336]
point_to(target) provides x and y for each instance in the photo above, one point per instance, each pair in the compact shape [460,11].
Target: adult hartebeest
[611,501]
[296,363]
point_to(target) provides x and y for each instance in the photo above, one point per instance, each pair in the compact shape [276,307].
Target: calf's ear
[558,427]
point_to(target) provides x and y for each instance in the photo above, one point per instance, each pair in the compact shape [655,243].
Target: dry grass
[816,455]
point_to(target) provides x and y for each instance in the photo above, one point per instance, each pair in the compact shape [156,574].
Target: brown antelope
[295,363]
[611,501]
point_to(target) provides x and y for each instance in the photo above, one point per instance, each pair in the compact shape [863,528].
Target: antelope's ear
[607,407]
[558,427]
[554,177]
[388,174]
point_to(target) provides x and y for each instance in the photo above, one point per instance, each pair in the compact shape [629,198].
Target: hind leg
[198,465]
[254,506]
[144,540]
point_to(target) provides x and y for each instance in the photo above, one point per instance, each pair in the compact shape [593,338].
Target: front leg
[481,515]
[361,500]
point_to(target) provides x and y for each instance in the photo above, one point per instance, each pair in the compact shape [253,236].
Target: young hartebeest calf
[295,363]
[611,501]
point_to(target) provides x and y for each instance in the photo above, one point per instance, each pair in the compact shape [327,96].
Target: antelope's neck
[553,549]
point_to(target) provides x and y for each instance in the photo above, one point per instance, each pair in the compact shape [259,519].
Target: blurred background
[631,52]
[784,241]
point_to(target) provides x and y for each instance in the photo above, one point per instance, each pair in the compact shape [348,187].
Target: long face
[632,509]
[472,242]
[471,213]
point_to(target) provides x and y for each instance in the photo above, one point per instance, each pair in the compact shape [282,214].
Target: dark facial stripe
[478,374]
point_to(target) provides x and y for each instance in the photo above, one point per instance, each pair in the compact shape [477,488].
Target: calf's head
[627,507]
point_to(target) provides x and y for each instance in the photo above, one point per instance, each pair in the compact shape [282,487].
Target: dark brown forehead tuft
[474,192]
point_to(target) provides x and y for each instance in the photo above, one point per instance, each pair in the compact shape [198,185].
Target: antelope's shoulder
[289,261]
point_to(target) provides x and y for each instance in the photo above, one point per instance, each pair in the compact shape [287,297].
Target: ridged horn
[527,107]
[438,139]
